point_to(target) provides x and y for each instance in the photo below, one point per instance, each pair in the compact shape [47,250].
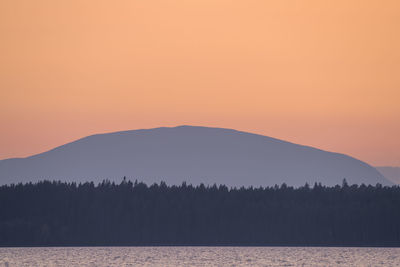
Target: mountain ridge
[220,152]
[392,173]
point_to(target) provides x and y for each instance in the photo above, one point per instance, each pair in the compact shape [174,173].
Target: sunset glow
[318,73]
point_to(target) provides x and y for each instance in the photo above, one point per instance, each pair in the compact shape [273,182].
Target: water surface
[199,256]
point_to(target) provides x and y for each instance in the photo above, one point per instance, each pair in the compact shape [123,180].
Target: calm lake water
[199,256]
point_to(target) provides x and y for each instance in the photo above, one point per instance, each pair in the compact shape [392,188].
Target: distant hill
[391,173]
[192,154]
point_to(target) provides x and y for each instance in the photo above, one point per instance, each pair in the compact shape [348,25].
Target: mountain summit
[192,154]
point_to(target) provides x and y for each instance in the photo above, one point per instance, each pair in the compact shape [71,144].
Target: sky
[318,73]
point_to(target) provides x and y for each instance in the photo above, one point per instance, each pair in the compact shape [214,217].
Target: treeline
[56,213]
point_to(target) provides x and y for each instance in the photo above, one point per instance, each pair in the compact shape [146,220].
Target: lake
[199,256]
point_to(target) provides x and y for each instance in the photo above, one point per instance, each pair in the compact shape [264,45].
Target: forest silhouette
[133,213]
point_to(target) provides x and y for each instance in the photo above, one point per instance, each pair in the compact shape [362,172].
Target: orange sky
[320,73]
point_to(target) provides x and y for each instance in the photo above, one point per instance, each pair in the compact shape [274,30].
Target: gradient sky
[319,73]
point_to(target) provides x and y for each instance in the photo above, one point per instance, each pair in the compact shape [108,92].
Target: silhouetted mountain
[192,154]
[390,173]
